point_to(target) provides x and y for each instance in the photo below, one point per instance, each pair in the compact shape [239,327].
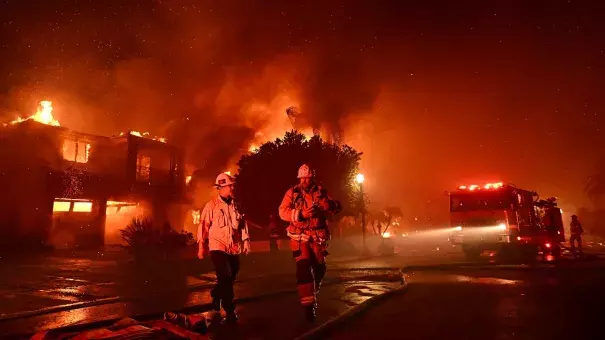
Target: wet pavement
[271,300]
[108,289]
[57,282]
[544,302]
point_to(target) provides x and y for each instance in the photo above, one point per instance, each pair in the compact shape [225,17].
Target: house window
[71,205]
[143,168]
[59,206]
[75,151]
[82,207]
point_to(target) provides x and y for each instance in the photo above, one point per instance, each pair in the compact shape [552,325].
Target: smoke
[212,77]
[430,95]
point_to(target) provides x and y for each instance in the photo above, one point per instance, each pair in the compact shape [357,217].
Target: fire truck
[504,218]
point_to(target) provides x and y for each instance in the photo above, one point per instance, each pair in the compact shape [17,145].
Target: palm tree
[595,187]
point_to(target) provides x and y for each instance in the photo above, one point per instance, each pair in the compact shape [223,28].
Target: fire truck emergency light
[486,186]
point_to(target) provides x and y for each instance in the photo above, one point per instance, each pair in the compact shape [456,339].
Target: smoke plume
[212,77]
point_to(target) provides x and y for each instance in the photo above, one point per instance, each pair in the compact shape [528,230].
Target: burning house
[69,189]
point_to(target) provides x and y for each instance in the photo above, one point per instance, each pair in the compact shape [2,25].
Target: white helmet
[305,171]
[223,180]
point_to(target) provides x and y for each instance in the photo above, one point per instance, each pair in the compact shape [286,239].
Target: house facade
[68,189]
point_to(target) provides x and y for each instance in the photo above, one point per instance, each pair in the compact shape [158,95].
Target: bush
[146,242]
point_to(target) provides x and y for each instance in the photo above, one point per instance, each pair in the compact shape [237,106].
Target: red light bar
[487,186]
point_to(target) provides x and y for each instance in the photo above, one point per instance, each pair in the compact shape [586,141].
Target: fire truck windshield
[496,200]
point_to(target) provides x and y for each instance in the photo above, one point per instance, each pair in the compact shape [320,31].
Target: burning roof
[145,135]
[44,115]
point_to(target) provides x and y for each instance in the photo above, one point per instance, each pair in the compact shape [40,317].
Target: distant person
[576,231]
[273,234]
[306,206]
[223,234]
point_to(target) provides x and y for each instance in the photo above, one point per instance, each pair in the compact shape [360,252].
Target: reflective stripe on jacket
[298,199]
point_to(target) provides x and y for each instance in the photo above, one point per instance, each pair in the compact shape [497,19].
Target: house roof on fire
[32,125]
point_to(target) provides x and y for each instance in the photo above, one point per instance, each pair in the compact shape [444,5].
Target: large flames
[44,115]
[145,135]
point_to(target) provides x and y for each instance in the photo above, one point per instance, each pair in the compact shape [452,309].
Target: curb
[322,331]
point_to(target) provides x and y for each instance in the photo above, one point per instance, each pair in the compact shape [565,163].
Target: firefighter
[306,207]
[223,235]
[576,231]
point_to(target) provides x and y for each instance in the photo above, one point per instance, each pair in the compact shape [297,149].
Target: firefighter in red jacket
[306,207]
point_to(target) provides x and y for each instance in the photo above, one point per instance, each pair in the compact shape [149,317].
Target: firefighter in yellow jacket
[223,234]
[306,207]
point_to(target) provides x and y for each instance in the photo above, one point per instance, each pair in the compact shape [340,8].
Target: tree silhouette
[595,188]
[265,175]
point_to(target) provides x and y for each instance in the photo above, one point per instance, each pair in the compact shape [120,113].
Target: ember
[44,115]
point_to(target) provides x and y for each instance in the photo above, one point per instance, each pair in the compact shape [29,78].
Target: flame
[146,135]
[44,115]
[187,179]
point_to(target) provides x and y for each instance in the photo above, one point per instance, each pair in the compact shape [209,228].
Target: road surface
[435,292]
[561,302]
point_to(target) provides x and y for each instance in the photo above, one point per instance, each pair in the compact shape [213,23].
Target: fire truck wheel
[471,253]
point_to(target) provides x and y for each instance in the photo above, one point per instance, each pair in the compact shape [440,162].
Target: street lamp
[360,179]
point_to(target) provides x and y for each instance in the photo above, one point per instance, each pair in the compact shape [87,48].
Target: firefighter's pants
[226,267]
[310,269]
[573,239]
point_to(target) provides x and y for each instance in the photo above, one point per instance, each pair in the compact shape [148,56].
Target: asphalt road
[456,300]
[562,301]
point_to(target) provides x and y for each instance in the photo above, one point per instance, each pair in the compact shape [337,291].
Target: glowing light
[404,235]
[458,228]
[518,238]
[187,179]
[487,186]
[228,173]
[386,234]
[61,206]
[82,207]
[253,148]
[360,178]
[547,245]
[501,226]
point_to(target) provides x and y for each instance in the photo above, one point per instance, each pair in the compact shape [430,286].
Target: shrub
[146,242]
